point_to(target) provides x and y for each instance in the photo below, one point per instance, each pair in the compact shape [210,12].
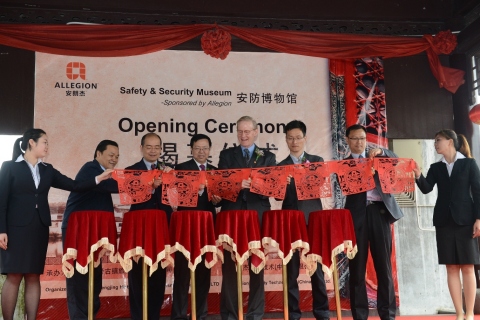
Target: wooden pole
[239,291]
[193,295]
[285,292]
[91,270]
[337,291]
[144,291]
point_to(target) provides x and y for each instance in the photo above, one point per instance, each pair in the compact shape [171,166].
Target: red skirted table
[330,232]
[285,231]
[192,233]
[90,235]
[238,232]
[144,235]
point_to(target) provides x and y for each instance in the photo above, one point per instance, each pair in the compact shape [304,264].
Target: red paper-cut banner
[312,180]
[226,183]
[269,181]
[135,186]
[354,175]
[396,174]
[180,188]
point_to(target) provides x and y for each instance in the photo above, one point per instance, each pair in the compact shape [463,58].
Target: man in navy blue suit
[200,145]
[106,157]
[151,149]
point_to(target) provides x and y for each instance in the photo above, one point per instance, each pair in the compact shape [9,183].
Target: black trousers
[374,232]
[181,283]
[319,290]
[156,291]
[77,291]
[229,294]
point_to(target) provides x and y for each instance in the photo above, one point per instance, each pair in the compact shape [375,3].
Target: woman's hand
[476,229]
[416,170]
[3,241]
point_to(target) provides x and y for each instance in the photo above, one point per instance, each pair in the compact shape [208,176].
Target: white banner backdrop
[80,101]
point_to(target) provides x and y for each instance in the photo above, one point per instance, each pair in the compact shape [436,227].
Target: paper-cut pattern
[395,174]
[312,180]
[135,186]
[226,183]
[354,175]
[269,181]
[186,184]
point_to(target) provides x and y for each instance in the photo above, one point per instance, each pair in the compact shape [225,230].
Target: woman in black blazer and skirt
[25,219]
[456,217]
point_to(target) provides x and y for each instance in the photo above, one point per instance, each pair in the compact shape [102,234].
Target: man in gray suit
[246,155]
[296,137]
[372,213]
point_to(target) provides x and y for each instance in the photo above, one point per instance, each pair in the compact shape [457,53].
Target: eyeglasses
[292,139]
[150,148]
[198,149]
[241,132]
[357,139]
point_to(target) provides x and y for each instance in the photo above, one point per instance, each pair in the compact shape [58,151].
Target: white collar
[199,164]
[458,155]
[21,158]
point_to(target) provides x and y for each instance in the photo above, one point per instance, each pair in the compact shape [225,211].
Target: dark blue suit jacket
[203,203]
[98,198]
[155,202]
[232,158]
[20,199]
[458,194]
[291,200]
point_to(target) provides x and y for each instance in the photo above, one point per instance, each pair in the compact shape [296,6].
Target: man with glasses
[296,137]
[200,145]
[151,149]
[372,213]
[246,155]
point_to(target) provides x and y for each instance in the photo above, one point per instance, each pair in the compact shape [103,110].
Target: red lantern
[474,114]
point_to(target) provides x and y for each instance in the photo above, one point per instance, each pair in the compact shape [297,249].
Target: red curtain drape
[127,40]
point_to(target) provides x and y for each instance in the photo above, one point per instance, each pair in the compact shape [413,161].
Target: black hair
[296,124]
[355,127]
[151,134]
[102,146]
[33,134]
[16,149]
[449,134]
[200,136]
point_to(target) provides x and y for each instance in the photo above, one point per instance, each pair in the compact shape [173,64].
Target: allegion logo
[76,70]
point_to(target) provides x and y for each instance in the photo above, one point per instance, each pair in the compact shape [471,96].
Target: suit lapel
[237,153]
[457,167]
[193,165]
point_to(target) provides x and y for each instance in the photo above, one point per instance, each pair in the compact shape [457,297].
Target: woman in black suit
[456,217]
[25,219]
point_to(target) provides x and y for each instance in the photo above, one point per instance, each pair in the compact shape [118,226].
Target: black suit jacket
[155,202]
[458,194]
[20,199]
[203,203]
[232,158]
[291,200]
[357,203]
[98,198]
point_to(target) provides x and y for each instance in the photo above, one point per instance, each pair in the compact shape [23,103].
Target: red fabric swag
[127,40]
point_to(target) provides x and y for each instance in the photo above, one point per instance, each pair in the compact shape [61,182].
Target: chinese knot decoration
[217,43]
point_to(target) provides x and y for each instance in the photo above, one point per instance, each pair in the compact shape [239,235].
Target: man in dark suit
[246,155]
[106,157]
[151,149]
[296,137]
[200,145]
[372,213]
